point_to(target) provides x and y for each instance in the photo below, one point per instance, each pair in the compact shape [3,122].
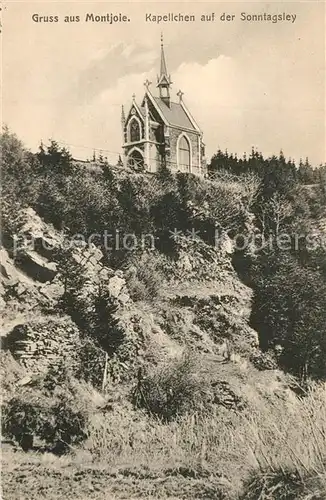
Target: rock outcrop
[205,303]
[202,305]
[43,341]
[34,330]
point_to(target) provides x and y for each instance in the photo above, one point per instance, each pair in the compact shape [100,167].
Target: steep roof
[175,114]
[163,69]
[164,79]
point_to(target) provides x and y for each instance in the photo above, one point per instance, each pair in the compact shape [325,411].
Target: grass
[276,439]
[274,451]
[283,485]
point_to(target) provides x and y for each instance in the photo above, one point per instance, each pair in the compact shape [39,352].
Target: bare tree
[274,213]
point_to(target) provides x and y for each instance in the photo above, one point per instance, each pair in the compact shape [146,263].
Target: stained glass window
[134,131]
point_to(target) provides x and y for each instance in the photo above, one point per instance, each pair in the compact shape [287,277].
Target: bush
[172,389]
[264,360]
[23,418]
[55,421]
[92,362]
[145,276]
[67,427]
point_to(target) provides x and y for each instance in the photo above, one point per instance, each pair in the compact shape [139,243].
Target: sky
[247,84]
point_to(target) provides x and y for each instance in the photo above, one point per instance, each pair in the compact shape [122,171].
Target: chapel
[161,132]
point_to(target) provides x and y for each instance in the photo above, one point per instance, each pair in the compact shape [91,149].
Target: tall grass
[270,438]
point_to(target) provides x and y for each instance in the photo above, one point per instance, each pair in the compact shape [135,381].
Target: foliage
[69,425]
[145,274]
[249,195]
[264,360]
[71,274]
[103,325]
[289,310]
[50,419]
[91,362]
[19,183]
[83,202]
[284,485]
[276,172]
[164,174]
[54,159]
[134,199]
[91,306]
[171,389]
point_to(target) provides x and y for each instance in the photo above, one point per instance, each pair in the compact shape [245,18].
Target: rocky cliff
[201,306]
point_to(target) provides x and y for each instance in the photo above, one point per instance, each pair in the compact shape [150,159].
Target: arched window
[136,160]
[134,130]
[184,154]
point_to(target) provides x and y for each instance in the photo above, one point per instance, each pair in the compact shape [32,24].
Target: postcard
[163,252]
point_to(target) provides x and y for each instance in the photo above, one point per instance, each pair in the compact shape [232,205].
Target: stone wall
[193,137]
[39,343]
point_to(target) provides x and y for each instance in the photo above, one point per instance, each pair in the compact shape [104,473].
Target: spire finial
[133,97]
[164,80]
[163,70]
[123,116]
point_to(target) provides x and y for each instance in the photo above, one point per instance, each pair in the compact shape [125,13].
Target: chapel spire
[164,80]
[163,71]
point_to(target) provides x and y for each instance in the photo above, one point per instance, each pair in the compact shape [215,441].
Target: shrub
[72,276]
[103,325]
[92,362]
[54,420]
[145,276]
[68,425]
[21,417]
[264,360]
[170,390]
[53,158]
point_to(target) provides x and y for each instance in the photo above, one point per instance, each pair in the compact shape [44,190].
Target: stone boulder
[116,285]
[224,395]
[36,266]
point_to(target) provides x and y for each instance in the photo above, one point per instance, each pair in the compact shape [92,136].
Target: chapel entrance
[136,160]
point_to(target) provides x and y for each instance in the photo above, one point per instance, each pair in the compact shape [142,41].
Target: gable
[154,110]
[153,113]
[135,110]
[164,80]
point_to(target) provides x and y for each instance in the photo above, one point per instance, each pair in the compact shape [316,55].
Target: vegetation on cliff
[176,320]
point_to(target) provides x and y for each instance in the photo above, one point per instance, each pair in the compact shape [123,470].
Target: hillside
[200,314]
[138,372]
